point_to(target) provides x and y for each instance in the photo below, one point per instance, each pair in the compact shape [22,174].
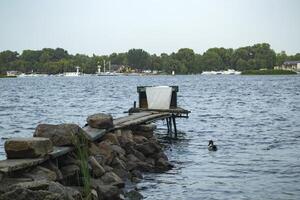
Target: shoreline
[99,169]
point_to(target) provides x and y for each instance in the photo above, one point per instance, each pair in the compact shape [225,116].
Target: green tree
[138,58]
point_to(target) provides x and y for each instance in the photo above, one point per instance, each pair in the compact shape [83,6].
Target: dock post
[170,124]
[175,128]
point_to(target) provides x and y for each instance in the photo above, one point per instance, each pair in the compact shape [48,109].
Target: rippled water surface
[254,120]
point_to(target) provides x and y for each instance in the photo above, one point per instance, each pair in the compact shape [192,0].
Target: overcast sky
[157,26]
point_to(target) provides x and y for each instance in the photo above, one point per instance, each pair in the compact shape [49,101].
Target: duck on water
[211,146]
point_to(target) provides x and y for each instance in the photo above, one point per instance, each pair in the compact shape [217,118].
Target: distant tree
[138,58]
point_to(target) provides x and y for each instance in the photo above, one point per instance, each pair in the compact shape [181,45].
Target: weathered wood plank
[10,165]
[142,120]
[131,117]
[171,110]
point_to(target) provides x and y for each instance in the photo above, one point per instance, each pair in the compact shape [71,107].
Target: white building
[290,65]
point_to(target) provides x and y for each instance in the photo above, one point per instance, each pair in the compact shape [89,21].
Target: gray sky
[157,26]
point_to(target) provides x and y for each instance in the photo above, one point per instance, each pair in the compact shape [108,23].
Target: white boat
[227,72]
[72,74]
[31,75]
[105,73]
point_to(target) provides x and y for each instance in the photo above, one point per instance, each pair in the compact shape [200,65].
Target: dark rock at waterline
[110,178]
[134,195]
[100,121]
[61,134]
[137,174]
[148,148]
[108,192]
[163,165]
[27,147]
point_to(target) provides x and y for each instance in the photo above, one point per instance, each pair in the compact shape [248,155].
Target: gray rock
[66,192]
[110,178]
[163,165]
[60,135]
[50,165]
[112,138]
[106,151]
[41,173]
[122,173]
[159,155]
[136,174]
[119,150]
[139,139]
[8,182]
[94,149]
[134,195]
[108,192]
[150,161]
[97,169]
[70,170]
[25,194]
[100,121]
[118,163]
[146,134]
[27,147]
[145,167]
[31,185]
[145,127]
[148,148]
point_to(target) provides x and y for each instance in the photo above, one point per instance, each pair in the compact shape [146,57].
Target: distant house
[290,65]
[12,73]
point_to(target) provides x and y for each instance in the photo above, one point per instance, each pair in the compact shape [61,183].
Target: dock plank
[131,117]
[142,120]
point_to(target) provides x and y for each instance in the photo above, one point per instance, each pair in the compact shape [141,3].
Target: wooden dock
[140,116]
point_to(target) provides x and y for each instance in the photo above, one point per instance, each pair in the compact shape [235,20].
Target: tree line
[184,61]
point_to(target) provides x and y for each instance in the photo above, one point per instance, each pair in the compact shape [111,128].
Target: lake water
[254,120]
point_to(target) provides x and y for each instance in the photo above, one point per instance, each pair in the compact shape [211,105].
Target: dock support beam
[175,128]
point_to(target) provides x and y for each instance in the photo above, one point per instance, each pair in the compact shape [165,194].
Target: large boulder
[27,147]
[60,135]
[100,121]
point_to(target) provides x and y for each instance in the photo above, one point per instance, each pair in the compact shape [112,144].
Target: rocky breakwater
[93,170]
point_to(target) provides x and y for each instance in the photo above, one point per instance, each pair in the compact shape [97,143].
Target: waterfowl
[211,146]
